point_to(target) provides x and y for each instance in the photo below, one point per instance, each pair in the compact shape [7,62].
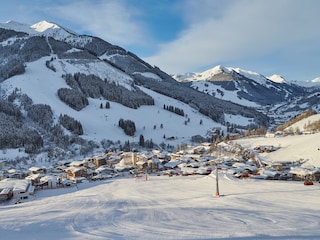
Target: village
[17,185]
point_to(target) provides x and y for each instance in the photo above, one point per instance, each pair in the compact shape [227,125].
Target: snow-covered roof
[76,163]
[74,169]
[34,176]
[34,169]
[301,171]
[15,184]
[47,178]
[103,168]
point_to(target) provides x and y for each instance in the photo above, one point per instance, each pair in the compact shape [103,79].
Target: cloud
[112,20]
[240,30]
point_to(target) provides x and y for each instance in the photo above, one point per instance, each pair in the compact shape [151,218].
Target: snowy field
[291,148]
[168,208]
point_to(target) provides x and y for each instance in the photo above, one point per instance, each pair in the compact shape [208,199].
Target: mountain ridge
[204,75]
[42,28]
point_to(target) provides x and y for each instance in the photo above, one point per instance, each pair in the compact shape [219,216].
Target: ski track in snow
[167,208]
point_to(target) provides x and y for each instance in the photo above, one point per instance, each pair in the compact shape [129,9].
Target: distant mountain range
[244,86]
[273,95]
[55,82]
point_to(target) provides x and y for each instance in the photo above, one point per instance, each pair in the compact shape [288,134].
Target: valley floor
[168,208]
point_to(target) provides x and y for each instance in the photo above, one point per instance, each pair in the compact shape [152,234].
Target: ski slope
[168,208]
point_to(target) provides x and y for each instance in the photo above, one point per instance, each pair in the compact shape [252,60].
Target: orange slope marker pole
[217,182]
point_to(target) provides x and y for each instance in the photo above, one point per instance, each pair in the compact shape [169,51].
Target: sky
[180,36]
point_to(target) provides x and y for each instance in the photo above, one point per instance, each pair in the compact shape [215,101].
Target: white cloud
[242,30]
[112,20]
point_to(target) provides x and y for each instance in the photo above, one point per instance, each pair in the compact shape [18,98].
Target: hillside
[300,147]
[99,124]
[296,148]
[305,122]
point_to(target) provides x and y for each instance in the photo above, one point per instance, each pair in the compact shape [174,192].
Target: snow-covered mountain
[273,95]
[42,28]
[316,80]
[221,73]
[242,86]
[59,89]
[276,78]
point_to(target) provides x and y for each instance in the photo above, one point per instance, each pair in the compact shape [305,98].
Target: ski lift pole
[217,175]
[217,182]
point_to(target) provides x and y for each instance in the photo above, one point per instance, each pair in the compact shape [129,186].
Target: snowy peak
[316,80]
[43,28]
[257,77]
[277,78]
[216,70]
[212,73]
[221,73]
[51,29]
[217,73]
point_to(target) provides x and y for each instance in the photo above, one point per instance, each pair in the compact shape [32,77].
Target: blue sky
[268,37]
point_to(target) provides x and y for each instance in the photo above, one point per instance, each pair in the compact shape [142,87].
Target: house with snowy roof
[37,170]
[299,173]
[99,160]
[76,172]
[21,188]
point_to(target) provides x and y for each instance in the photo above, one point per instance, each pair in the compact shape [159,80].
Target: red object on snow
[308,182]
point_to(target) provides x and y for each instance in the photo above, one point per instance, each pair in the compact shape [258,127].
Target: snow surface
[305,122]
[44,26]
[237,119]
[168,208]
[221,93]
[292,148]
[276,78]
[251,75]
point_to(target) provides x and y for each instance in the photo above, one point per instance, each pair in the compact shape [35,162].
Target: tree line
[94,87]
[173,109]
